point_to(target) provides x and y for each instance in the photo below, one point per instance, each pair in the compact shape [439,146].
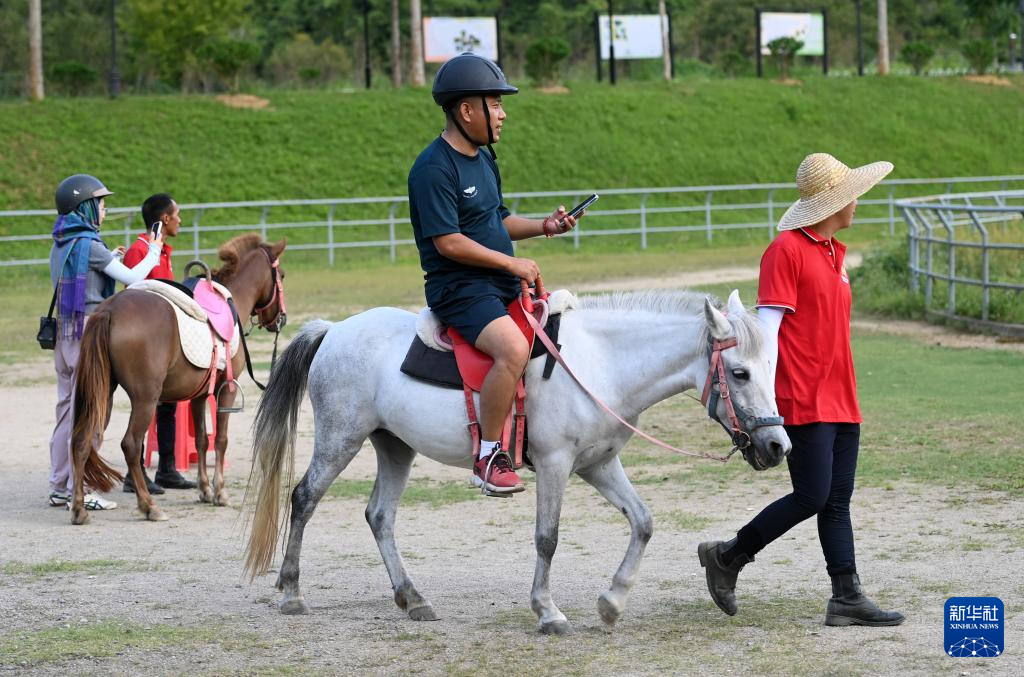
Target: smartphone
[156,228]
[578,209]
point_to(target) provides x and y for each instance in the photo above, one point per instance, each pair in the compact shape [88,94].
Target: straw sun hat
[826,185]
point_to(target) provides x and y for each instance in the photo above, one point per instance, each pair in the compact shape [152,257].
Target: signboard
[808,28]
[637,36]
[445,37]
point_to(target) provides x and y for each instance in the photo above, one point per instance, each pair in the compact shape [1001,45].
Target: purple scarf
[72,238]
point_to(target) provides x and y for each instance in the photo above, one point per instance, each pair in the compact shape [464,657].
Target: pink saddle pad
[218,312]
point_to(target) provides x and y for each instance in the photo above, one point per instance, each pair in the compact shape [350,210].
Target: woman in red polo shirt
[804,304]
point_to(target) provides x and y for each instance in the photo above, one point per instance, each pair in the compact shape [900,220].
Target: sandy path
[181,579]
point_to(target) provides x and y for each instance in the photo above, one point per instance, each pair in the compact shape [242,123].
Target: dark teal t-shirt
[453,193]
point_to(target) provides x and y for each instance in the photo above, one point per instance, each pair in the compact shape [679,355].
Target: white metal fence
[332,225]
[968,247]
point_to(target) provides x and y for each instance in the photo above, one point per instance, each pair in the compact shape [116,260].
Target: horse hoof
[79,517]
[205,497]
[222,501]
[294,607]
[556,628]
[423,613]
[156,515]
[609,611]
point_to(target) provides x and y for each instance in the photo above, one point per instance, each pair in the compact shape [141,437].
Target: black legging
[822,466]
[166,427]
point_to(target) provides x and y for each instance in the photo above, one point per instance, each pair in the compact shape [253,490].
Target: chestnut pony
[132,340]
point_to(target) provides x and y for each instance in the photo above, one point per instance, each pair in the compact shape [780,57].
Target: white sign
[445,37]
[807,28]
[637,36]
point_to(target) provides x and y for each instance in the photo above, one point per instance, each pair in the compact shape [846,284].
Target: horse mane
[679,302]
[232,252]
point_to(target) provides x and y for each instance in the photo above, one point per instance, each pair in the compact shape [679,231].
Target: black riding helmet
[76,189]
[466,75]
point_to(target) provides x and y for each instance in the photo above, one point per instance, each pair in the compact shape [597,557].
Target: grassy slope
[690,132]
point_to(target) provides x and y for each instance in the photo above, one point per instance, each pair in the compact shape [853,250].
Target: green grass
[938,415]
[109,638]
[309,144]
[62,566]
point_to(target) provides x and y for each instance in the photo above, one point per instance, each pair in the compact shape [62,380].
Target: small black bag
[47,335]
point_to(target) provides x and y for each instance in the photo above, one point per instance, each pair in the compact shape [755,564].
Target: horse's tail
[274,443]
[92,401]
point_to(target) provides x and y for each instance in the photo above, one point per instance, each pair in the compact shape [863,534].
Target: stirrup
[232,409]
[487,476]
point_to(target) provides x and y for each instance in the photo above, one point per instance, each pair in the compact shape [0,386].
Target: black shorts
[469,315]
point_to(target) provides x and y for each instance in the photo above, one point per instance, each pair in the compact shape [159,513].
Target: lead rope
[653,440]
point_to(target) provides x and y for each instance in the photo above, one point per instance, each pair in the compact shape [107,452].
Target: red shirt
[814,380]
[138,251]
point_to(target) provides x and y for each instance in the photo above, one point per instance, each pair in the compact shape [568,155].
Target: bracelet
[544,227]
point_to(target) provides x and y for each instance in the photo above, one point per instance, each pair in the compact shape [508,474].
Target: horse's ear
[717,324]
[277,248]
[734,304]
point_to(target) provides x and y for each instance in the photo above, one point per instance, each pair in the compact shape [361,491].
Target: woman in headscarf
[83,271]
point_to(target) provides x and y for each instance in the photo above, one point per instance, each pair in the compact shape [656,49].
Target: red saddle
[474,365]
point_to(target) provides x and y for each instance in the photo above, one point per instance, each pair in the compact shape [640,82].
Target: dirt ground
[169,598]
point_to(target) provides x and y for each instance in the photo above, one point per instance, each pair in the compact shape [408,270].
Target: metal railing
[967,240]
[332,225]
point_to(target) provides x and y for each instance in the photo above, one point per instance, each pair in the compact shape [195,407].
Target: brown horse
[132,340]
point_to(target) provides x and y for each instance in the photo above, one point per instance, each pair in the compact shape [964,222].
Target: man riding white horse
[464,234]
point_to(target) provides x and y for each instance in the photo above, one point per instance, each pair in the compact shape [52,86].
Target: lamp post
[1021,8]
[115,73]
[366,39]
[611,43]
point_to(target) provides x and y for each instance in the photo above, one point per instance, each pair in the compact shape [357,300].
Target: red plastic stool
[185,452]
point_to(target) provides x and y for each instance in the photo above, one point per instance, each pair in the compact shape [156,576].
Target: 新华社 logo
[974,627]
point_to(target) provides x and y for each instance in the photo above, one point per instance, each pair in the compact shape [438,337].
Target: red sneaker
[502,478]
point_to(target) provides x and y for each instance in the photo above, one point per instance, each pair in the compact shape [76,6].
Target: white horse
[631,350]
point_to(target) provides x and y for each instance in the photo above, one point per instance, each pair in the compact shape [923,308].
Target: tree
[783,51]
[167,35]
[73,77]
[305,61]
[35,50]
[666,50]
[980,54]
[226,58]
[917,54]
[396,45]
[883,37]
[544,58]
[417,75]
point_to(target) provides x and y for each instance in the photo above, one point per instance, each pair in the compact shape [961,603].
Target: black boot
[721,577]
[168,476]
[166,431]
[129,487]
[850,606]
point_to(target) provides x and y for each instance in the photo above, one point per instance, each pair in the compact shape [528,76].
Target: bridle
[275,325]
[717,386]
[276,294]
[715,349]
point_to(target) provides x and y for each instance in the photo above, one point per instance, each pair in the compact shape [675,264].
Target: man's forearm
[458,247]
[520,227]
